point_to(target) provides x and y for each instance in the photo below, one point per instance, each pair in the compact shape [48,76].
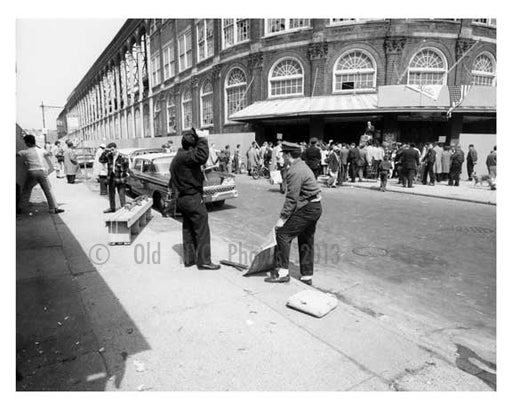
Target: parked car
[150,176]
[131,153]
[85,156]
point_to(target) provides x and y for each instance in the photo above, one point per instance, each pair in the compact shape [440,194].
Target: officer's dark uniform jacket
[186,175]
[301,188]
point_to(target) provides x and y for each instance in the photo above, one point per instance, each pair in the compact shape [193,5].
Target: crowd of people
[332,163]
[338,163]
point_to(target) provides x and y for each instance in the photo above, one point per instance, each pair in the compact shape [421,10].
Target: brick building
[415,79]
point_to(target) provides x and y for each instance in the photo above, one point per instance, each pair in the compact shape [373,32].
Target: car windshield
[162,165]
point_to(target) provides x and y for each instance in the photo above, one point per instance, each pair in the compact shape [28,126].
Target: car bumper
[220,196]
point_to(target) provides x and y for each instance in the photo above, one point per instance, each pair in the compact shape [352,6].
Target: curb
[433,196]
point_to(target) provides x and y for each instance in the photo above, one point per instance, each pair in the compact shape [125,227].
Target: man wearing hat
[187,182]
[313,157]
[117,174]
[301,210]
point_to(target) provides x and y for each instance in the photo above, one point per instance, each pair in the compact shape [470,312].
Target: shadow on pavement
[72,334]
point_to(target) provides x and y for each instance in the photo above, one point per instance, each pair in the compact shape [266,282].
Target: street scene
[262,205]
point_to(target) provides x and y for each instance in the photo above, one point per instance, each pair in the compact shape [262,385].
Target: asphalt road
[426,266]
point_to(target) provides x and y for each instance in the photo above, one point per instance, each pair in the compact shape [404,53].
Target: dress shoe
[57,211]
[107,211]
[210,266]
[188,265]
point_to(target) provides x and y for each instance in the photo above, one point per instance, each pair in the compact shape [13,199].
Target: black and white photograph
[207,202]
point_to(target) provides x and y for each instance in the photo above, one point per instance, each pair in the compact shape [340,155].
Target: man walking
[456,161]
[117,174]
[187,182]
[35,158]
[301,210]
[410,160]
[472,159]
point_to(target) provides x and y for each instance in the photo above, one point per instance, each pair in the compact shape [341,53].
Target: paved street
[414,277]
[425,264]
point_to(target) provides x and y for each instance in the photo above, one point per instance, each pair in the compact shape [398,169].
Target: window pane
[276,25]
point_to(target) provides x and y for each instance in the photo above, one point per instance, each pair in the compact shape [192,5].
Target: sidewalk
[136,319]
[467,191]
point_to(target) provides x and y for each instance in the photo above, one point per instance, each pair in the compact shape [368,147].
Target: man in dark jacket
[187,183]
[472,159]
[117,174]
[430,160]
[410,160]
[353,159]
[456,161]
[343,164]
[313,157]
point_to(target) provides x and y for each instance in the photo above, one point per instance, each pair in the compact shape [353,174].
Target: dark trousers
[471,168]
[71,179]
[301,225]
[454,177]
[353,171]
[121,190]
[195,229]
[429,171]
[103,185]
[408,175]
[342,175]
[384,179]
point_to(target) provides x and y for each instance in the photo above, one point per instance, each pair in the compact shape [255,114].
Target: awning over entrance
[462,98]
[301,106]
[388,99]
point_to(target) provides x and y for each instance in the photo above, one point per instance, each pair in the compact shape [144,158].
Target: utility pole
[44,121]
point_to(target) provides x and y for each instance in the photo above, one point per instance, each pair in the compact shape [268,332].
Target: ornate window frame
[273,79]
[170,107]
[427,70]
[363,71]
[204,94]
[186,99]
[484,74]
[228,87]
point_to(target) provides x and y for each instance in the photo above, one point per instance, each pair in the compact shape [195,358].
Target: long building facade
[415,79]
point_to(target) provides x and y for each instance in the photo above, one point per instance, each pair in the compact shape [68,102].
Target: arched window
[156,117]
[354,70]
[171,115]
[207,104]
[236,86]
[186,109]
[427,67]
[484,70]
[286,78]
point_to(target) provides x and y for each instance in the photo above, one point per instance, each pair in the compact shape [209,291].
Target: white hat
[102,145]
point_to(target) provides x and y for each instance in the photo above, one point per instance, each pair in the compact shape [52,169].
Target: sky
[52,56]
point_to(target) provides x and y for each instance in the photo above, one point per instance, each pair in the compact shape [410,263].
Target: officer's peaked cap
[291,147]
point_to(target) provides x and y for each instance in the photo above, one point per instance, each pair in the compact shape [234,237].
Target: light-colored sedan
[150,176]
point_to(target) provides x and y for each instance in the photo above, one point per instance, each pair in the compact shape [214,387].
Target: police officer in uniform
[301,210]
[187,182]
